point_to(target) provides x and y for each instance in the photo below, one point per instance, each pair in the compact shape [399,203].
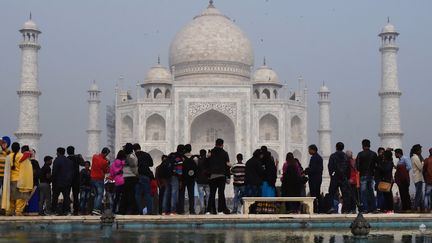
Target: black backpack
[166,168]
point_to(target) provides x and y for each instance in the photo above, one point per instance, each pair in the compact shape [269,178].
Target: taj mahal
[212,88]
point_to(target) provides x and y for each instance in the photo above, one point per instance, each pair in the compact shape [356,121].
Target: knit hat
[7,140]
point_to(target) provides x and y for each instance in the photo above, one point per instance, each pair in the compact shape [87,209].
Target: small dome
[158,74]
[324,89]
[265,75]
[30,25]
[94,87]
[388,28]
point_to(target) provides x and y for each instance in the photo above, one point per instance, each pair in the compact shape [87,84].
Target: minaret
[324,130]
[391,133]
[28,93]
[93,123]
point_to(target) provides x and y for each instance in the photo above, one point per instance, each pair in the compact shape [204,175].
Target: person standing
[339,170]
[77,161]
[45,187]
[354,181]
[18,181]
[190,168]
[291,182]
[99,168]
[238,171]
[219,172]
[402,178]
[254,174]
[417,161]
[145,175]
[173,169]
[315,171]
[385,172]
[366,163]
[85,187]
[202,180]
[268,188]
[116,173]
[379,195]
[130,173]
[427,171]
[4,152]
[62,178]
[33,202]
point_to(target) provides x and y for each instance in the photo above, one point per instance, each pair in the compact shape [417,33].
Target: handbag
[384,186]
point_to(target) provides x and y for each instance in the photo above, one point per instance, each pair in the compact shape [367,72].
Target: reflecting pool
[213,236]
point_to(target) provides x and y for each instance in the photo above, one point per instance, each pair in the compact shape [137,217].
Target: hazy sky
[333,41]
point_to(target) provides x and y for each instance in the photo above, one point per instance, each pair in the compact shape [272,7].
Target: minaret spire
[324,130]
[93,130]
[391,131]
[28,92]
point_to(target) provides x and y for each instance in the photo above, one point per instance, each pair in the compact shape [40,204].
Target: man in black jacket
[339,171]
[254,174]
[77,161]
[314,171]
[366,163]
[190,166]
[62,177]
[219,172]
[145,161]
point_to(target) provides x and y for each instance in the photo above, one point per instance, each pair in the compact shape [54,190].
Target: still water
[213,236]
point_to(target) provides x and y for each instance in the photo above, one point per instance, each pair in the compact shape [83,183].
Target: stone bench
[306,201]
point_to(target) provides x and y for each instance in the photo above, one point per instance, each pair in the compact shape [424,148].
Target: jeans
[405,197]
[217,184]
[418,202]
[44,197]
[428,197]
[98,187]
[190,186]
[343,185]
[238,195]
[65,191]
[367,196]
[171,190]
[84,196]
[127,201]
[203,196]
[251,191]
[144,186]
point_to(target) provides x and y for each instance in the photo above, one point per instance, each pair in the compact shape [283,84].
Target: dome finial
[158,60]
[211,4]
[30,17]
[388,19]
[264,61]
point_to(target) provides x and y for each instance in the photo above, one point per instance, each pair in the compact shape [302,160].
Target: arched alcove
[266,94]
[127,129]
[155,128]
[296,130]
[268,128]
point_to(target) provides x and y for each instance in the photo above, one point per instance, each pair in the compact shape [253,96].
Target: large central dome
[211,44]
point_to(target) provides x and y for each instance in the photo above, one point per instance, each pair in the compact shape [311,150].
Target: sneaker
[173,214]
[164,214]
[220,213]
[96,212]
[226,211]
[207,213]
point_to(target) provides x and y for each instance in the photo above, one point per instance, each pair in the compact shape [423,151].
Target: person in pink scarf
[116,173]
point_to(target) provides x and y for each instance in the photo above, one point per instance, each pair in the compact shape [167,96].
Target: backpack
[166,169]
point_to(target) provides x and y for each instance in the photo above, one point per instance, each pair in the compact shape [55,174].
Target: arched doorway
[127,129]
[208,127]
[155,128]
[156,155]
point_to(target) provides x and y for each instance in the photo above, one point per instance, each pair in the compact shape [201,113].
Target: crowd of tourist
[128,184]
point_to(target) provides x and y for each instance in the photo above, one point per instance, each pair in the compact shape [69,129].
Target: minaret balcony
[28,135]
[390,94]
[30,45]
[35,93]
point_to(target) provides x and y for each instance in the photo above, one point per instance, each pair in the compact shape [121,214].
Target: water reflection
[213,236]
